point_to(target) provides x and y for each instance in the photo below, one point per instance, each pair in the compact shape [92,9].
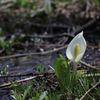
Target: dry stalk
[84,88]
[89,90]
[37,53]
[23,80]
[88,65]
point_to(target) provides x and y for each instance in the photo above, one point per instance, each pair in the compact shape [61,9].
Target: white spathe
[47,6]
[78,39]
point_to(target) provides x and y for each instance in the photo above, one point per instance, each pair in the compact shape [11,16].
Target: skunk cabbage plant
[76,48]
[47,6]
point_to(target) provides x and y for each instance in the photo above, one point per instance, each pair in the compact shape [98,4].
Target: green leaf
[17,87]
[2,43]
[20,87]
[62,71]
[21,37]
[43,95]
[27,91]
[4,71]
[40,68]
[61,57]
[30,84]
[34,98]
[97,2]
[16,96]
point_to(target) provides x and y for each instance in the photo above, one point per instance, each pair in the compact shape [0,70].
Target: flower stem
[74,72]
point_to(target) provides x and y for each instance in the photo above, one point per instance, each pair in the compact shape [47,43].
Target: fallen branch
[72,34]
[27,74]
[6,6]
[89,91]
[19,81]
[52,25]
[88,65]
[51,36]
[90,75]
[37,53]
[84,26]
[84,88]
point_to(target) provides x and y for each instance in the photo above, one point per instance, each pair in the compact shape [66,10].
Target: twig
[47,44]
[6,1]
[27,74]
[84,88]
[37,53]
[97,47]
[53,26]
[89,91]
[65,26]
[6,6]
[52,36]
[89,75]
[84,26]
[19,81]
[88,65]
